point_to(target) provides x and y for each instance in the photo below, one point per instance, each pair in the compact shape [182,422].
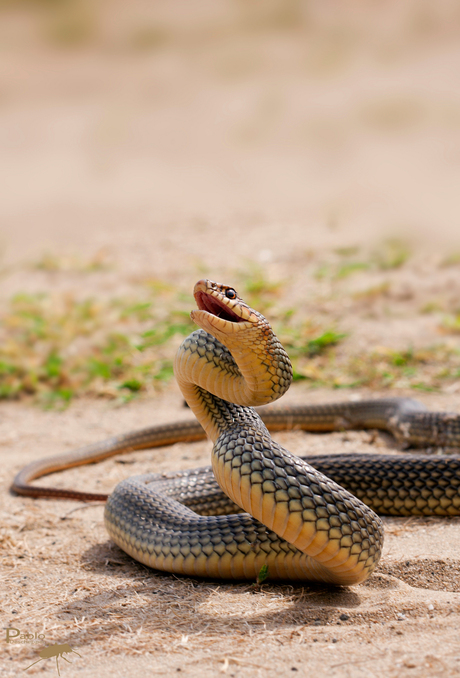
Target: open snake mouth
[213,305]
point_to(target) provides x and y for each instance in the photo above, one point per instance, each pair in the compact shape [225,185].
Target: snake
[259,508]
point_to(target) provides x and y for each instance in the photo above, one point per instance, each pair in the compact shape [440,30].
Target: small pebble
[344,617]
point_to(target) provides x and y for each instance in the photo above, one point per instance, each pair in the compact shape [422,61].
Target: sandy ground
[226,146]
[64,578]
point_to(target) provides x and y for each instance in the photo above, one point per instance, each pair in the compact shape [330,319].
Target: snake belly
[297,521]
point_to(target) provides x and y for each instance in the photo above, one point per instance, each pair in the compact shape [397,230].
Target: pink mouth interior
[206,302]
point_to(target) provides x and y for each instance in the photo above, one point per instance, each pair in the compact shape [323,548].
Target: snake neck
[221,384]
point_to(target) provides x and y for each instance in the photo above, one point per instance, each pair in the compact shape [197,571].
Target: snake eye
[230,293]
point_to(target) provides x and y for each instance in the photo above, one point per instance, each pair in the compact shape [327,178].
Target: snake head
[262,361]
[221,310]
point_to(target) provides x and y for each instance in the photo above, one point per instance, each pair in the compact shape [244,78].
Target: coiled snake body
[299,520]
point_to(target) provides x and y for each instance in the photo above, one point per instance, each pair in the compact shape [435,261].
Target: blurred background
[302,115]
[308,151]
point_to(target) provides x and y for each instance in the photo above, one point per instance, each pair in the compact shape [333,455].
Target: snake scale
[309,519]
